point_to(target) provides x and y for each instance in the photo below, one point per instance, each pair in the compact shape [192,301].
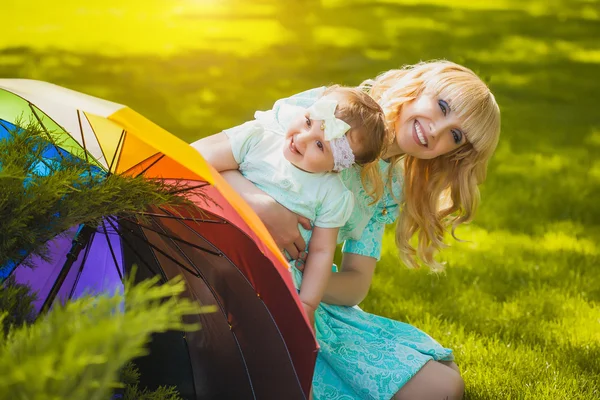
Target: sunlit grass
[519,303]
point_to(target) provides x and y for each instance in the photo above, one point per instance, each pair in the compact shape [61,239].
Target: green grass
[519,303]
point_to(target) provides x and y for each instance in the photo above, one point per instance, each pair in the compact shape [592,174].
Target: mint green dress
[362,355]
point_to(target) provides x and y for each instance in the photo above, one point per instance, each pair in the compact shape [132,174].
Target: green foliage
[40,198]
[16,303]
[77,350]
[130,377]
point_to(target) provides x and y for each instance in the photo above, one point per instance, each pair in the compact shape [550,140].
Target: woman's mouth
[418,134]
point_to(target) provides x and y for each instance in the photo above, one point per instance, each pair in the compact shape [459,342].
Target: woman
[444,125]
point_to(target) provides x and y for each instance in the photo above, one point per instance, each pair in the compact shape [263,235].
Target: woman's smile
[418,134]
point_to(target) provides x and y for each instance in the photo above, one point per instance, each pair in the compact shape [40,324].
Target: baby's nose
[303,137]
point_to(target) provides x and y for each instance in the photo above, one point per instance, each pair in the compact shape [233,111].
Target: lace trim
[342,153]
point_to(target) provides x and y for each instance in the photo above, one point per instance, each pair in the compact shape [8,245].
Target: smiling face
[305,146]
[427,127]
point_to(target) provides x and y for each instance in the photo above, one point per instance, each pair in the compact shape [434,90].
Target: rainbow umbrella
[259,344]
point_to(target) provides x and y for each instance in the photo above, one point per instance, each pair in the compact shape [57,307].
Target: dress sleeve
[369,244]
[335,210]
[243,138]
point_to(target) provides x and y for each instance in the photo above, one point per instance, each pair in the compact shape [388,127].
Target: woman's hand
[281,222]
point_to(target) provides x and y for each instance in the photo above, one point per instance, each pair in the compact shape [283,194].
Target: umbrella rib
[190,188]
[44,128]
[116,151]
[173,239]
[163,233]
[164,254]
[112,252]
[85,151]
[98,141]
[208,241]
[198,272]
[132,247]
[208,221]
[150,166]
[85,256]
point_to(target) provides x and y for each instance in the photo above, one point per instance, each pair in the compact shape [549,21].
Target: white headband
[335,132]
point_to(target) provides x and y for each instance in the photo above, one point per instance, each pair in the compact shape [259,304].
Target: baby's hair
[368,128]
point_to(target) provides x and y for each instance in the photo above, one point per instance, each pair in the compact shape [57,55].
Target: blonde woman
[443,124]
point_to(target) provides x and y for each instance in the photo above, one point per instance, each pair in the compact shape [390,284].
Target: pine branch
[41,197]
[76,351]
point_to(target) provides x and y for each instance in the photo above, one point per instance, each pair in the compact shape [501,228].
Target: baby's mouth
[293,147]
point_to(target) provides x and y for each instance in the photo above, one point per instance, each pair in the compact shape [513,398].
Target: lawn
[520,301]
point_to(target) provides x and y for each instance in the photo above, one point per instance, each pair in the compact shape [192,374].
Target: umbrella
[259,344]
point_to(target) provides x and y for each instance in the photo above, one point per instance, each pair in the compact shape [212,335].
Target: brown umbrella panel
[240,352]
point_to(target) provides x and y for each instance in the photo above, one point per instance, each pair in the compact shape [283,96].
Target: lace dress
[362,355]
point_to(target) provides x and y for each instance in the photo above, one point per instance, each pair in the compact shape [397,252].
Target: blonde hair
[439,192]
[368,129]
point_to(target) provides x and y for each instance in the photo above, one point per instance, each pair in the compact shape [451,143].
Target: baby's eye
[444,107]
[308,122]
[320,145]
[458,135]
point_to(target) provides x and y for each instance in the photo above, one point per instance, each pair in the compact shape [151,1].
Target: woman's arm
[318,268]
[350,286]
[281,223]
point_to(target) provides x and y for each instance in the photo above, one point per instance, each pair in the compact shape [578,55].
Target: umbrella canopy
[259,344]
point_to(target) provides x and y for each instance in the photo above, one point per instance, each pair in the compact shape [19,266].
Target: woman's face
[426,128]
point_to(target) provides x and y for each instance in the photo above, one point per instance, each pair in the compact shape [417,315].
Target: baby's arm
[216,150]
[318,268]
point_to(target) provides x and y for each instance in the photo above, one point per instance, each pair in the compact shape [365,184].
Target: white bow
[324,110]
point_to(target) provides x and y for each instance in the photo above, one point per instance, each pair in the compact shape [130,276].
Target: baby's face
[305,146]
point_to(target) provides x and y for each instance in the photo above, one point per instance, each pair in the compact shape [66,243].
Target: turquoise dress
[362,355]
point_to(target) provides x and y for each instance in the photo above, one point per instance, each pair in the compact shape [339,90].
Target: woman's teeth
[420,134]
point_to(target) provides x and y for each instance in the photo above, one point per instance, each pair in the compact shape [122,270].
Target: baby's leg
[435,381]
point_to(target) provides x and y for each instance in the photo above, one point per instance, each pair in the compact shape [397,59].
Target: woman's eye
[308,122]
[457,135]
[320,145]
[443,106]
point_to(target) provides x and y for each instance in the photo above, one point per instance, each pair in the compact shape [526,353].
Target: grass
[519,302]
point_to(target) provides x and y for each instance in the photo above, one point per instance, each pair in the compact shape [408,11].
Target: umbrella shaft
[80,240]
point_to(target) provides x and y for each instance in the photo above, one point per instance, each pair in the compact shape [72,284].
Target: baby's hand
[301,261]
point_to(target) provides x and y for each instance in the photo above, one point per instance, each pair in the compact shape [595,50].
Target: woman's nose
[437,126]
[432,129]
